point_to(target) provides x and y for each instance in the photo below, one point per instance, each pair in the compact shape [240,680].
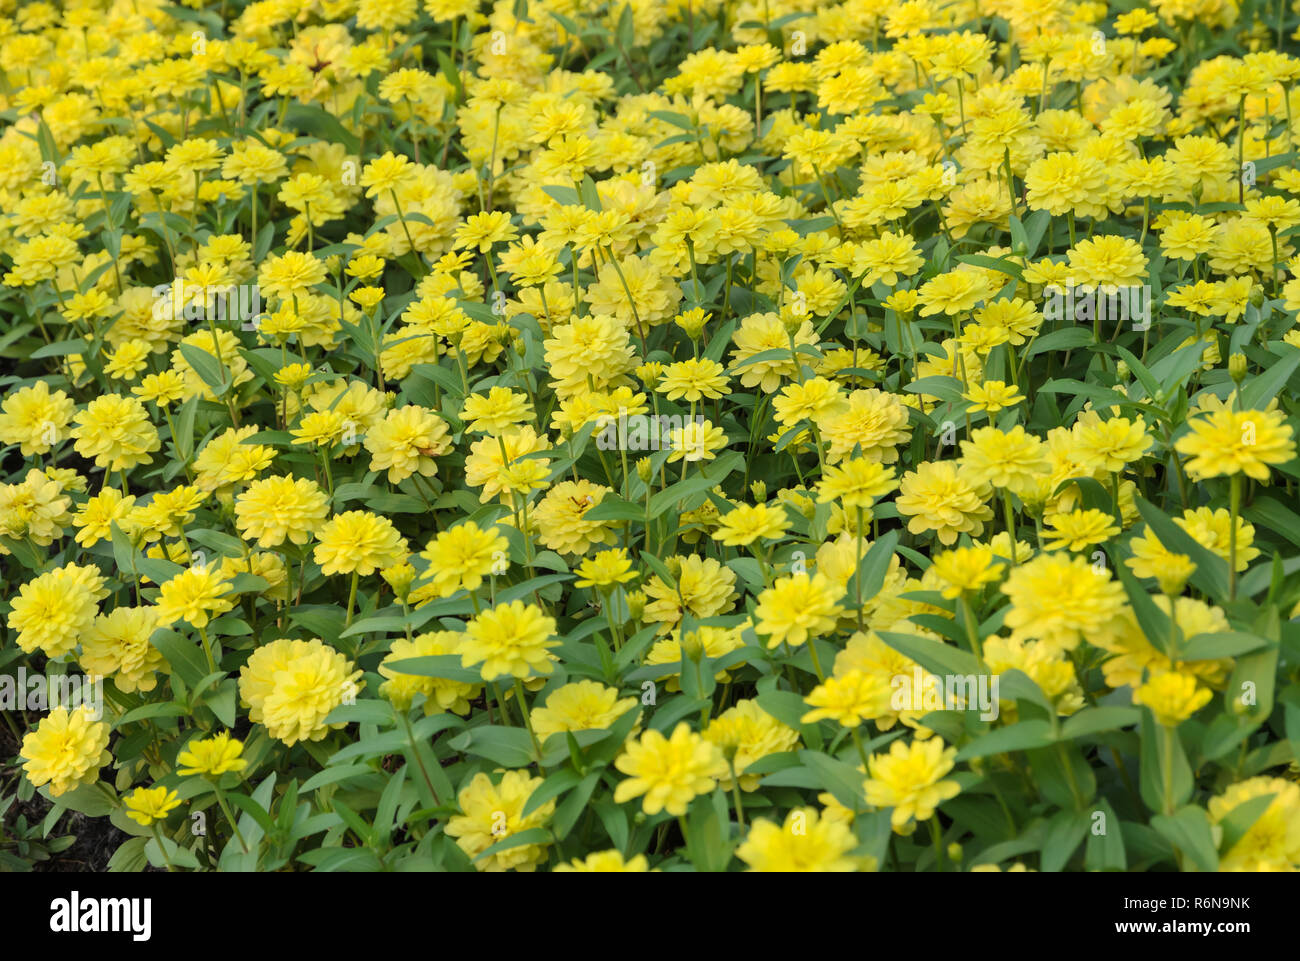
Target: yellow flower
[211,757]
[909,779]
[406,441]
[943,497]
[561,522]
[54,609]
[510,640]
[117,644]
[695,441]
[703,587]
[195,595]
[605,570]
[66,750]
[693,380]
[849,699]
[441,694]
[588,353]
[580,706]
[276,509]
[1079,529]
[358,542]
[492,813]
[1061,600]
[669,771]
[796,608]
[1109,445]
[146,805]
[749,522]
[35,418]
[489,458]
[291,686]
[605,862]
[1150,558]
[482,230]
[745,733]
[1272,842]
[1172,696]
[992,396]
[1004,459]
[711,642]
[97,515]
[761,334]
[806,842]
[461,556]
[1107,260]
[856,483]
[966,569]
[1226,442]
[872,423]
[1064,182]
[500,410]
[116,432]
[955,292]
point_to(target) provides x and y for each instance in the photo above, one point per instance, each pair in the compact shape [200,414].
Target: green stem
[157,836]
[225,809]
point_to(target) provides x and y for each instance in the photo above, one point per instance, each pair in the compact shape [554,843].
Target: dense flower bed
[652,436]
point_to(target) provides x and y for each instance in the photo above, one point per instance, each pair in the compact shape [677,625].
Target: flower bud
[692,322]
[693,647]
[1237,368]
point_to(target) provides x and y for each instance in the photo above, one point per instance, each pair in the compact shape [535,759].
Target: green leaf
[1211,575]
[1105,850]
[944,388]
[1188,830]
[842,780]
[1258,391]
[183,654]
[1212,647]
[786,706]
[1095,720]
[1241,819]
[446,666]
[696,482]
[531,836]
[207,367]
[934,656]
[1155,623]
[1064,833]
[319,123]
[873,569]
[1274,517]
[508,746]
[1161,747]
[1021,736]
[1249,693]
[613,508]
[1068,338]
[551,788]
